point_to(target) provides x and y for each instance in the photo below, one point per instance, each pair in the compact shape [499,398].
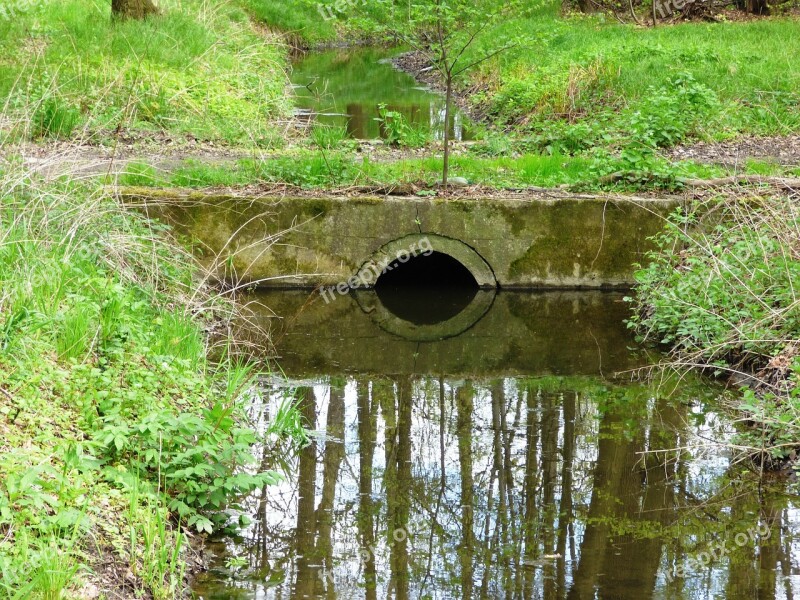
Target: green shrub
[199,458]
[671,113]
[723,286]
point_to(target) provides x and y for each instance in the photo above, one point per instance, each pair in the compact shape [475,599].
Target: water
[506,451]
[344,87]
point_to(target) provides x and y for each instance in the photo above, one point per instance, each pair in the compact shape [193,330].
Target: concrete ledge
[561,241]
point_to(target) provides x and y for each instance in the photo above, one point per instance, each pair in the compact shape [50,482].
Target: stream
[482,444]
[344,88]
[505,460]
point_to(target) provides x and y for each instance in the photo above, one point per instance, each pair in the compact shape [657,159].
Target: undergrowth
[118,432]
[722,291]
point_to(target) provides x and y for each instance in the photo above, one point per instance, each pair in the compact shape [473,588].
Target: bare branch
[485,58]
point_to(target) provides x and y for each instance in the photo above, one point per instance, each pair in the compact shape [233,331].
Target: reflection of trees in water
[361,121]
[512,489]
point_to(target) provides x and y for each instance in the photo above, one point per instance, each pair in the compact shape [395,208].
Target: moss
[315,207]
[515,218]
[596,247]
[585,242]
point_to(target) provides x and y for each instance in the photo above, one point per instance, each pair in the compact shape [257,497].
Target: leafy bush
[199,458]
[670,113]
[396,131]
[723,281]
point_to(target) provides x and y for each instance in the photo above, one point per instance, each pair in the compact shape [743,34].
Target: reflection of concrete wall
[525,334]
[564,242]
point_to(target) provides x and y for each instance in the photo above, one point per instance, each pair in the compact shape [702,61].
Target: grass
[582,99]
[300,21]
[308,24]
[199,69]
[587,70]
[323,168]
[116,428]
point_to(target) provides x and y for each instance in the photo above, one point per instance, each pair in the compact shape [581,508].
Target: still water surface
[505,452]
[345,86]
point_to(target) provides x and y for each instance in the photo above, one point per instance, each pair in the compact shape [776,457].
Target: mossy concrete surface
[566,242]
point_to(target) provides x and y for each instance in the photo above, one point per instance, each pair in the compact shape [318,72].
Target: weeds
[54,119]
[722,291]
[106,384]
[327,137]
[154,546]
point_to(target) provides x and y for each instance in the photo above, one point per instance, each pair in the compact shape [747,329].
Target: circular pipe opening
[426,288]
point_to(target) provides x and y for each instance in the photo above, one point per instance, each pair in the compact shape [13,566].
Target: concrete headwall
[576,242]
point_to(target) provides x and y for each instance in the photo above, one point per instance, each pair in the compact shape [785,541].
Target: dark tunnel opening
[426,289]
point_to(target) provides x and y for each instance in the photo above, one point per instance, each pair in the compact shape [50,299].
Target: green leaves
[197,457]
[722,289]
[396,131]
[669,114]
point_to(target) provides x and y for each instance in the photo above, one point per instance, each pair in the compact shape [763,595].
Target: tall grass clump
[722,290]
[113,418]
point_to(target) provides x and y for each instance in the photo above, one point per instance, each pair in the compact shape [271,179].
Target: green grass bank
[200,69]
[121,439]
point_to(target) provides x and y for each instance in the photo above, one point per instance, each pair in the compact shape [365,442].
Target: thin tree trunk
[633,13]
[365,518]
[133,9]
[448,99]
[307,579]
